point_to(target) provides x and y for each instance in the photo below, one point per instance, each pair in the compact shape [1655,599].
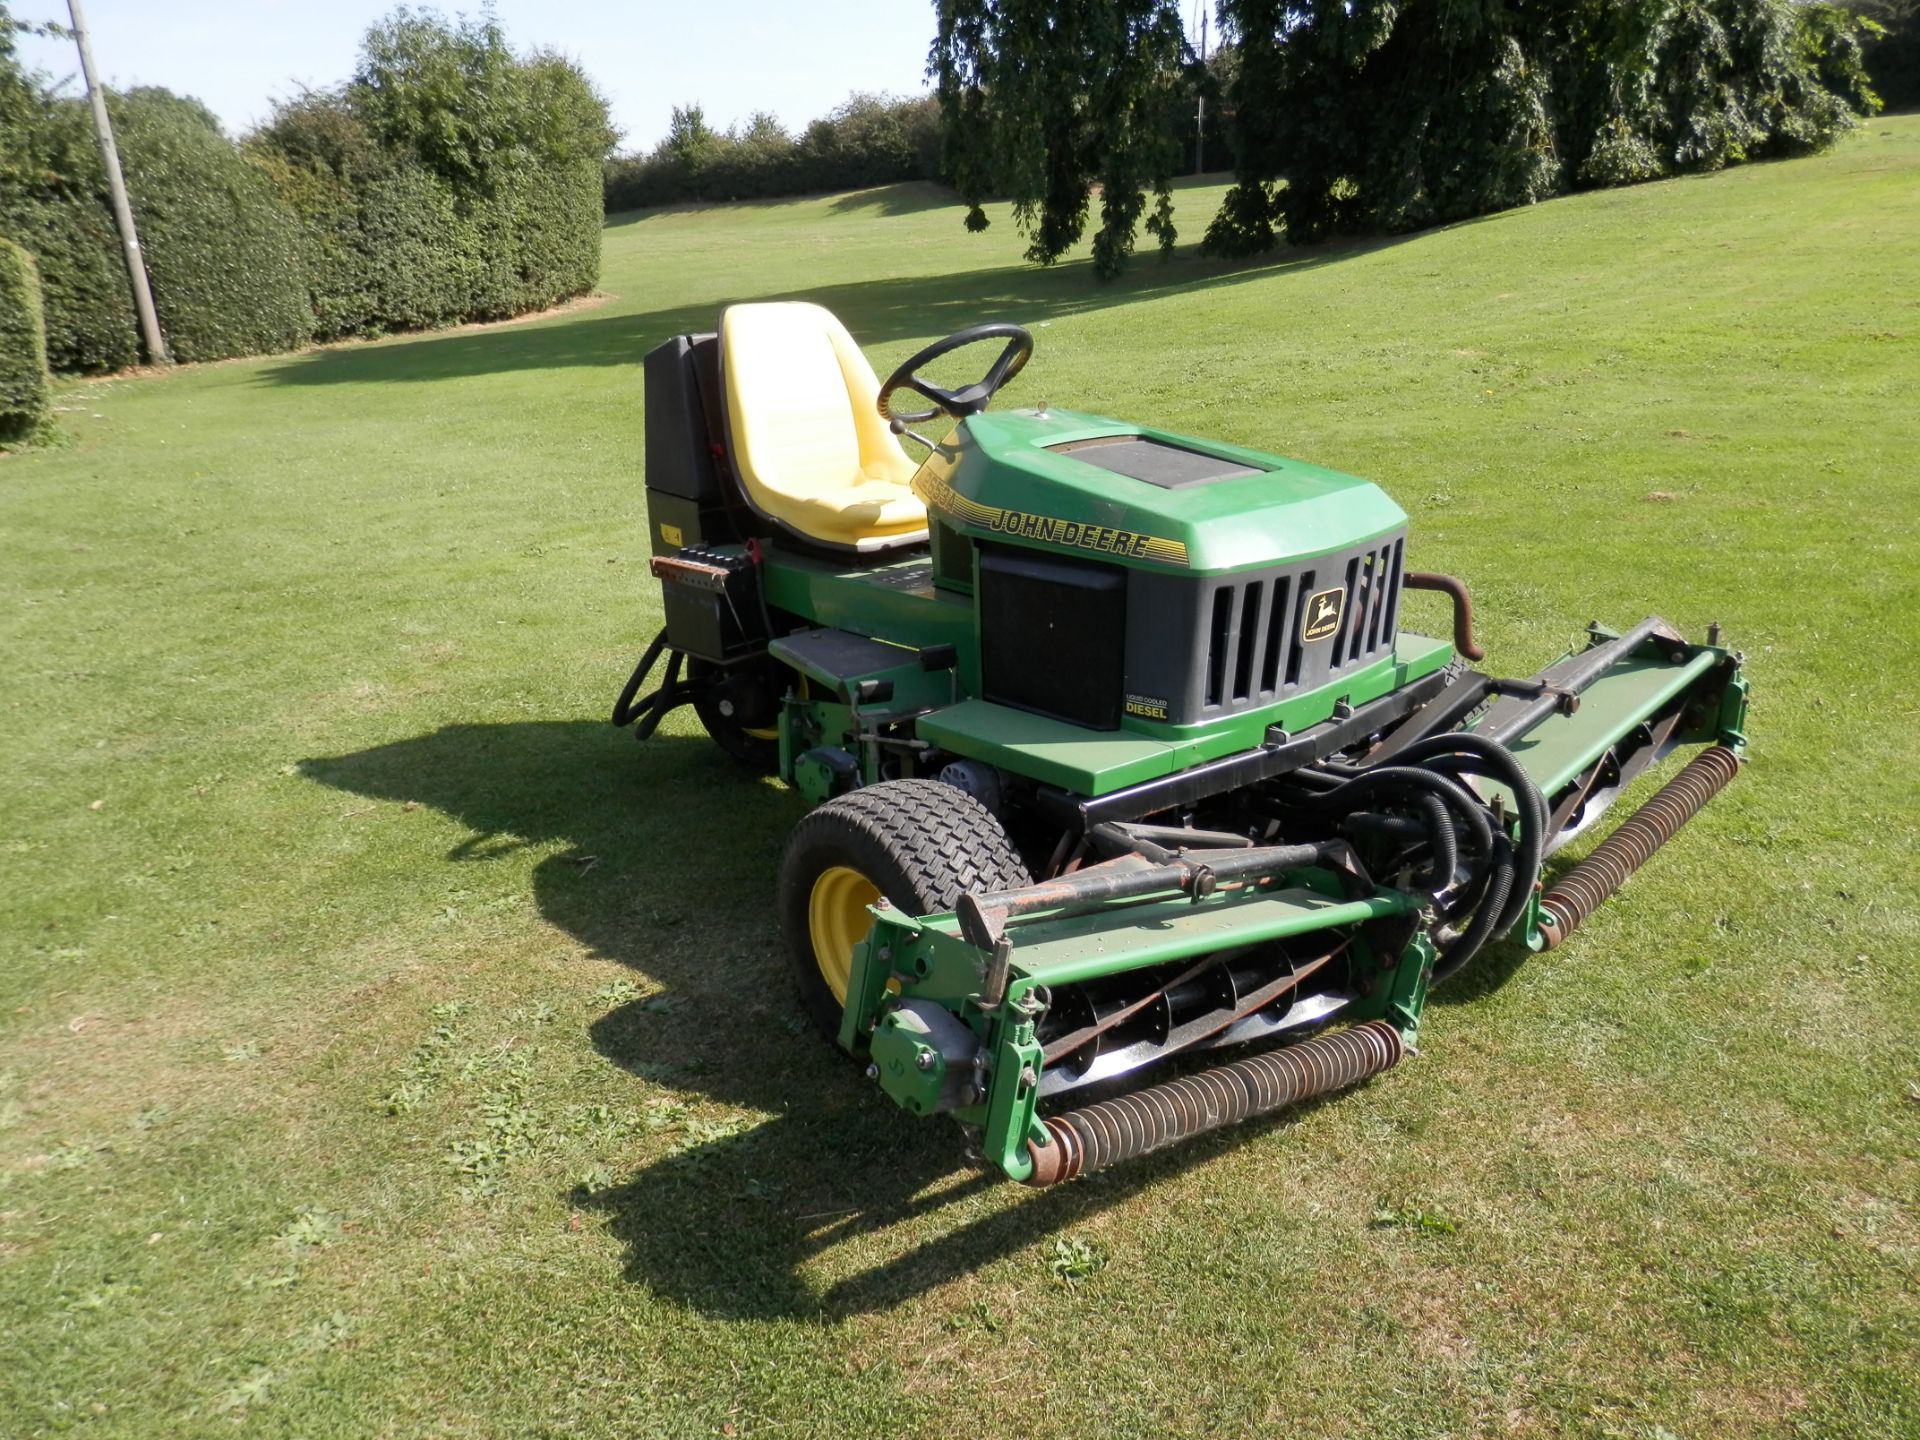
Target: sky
[796,58]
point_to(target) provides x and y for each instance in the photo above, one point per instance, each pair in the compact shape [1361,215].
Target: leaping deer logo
[1323,614]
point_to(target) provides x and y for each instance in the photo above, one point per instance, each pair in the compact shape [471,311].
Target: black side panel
[690,495]
[679,460]
[714,608]
[1053,635]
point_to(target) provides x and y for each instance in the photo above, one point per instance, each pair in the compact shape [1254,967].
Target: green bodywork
[1001,477]
[925,958]
[995,480]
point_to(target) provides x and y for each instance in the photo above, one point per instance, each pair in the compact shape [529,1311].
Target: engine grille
[1218,647]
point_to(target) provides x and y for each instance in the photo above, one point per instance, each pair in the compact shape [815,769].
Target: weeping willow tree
[1046,100]
[1356,115]
[1396,114]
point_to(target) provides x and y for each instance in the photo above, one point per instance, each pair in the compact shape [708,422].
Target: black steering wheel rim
[969,399]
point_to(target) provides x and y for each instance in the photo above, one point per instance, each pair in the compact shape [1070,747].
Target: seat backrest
[801,403]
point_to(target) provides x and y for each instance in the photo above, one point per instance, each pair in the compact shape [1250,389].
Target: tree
[1396,114]
[1044,100]
[1892,50]
[868,139]
[450,179]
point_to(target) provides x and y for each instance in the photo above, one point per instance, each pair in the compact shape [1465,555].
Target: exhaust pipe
[1583,889]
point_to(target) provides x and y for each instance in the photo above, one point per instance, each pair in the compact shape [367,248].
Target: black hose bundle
[650,709]
[1426,778]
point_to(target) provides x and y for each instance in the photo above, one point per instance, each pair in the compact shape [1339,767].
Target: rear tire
[920,843]
[739,709]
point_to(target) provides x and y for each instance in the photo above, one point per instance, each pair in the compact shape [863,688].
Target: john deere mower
[1136,810]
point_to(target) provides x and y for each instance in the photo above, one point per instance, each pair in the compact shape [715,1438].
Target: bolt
[1029,1077]
[873,1072]
[924,1060]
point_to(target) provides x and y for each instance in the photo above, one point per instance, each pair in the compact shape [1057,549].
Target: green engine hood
[1006,476]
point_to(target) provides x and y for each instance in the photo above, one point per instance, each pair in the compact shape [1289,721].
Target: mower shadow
[772,1223]
[667,855]
[1486,973]
[666,863]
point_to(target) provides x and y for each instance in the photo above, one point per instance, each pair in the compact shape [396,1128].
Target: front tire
[920,843]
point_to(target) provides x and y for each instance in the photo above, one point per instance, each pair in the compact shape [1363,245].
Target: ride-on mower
[1136,810]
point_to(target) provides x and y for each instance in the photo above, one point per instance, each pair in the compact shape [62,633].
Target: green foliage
[447,93]
[1379,114]
[1414,1218]
[1072,1259]
[25,390]
[1044,103]
[19,99]
[223,256]
[49,204]
[327,211]
[449,181]
[90,324]
[1890,47]
[869,139]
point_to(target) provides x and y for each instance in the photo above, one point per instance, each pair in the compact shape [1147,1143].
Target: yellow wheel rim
[837,920]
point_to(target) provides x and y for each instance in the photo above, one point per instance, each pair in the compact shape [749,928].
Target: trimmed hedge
[408,223]
[83,280]
[451,180]
[867,140]
[25,389]
[49,179]
[399,250]
[223,256]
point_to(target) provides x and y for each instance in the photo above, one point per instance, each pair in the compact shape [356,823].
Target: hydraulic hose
[1445,844]
[646,713]
[625,712]
[1510,872]
[1493,902]
[1478,755]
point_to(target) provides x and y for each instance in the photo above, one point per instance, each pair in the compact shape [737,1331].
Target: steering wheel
[969,399]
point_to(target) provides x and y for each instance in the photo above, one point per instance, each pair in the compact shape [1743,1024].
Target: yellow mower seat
[807,441]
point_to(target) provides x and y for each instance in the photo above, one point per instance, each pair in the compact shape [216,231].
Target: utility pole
[1200,120]
[117,187]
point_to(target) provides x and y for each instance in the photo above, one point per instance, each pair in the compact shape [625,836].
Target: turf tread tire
[922,842]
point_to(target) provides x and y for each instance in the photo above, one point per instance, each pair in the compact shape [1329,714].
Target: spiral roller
[1583,889]
[1129,1125]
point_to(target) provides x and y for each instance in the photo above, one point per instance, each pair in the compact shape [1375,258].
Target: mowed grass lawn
[390,1047]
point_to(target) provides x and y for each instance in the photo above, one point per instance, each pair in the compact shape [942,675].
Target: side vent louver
[1255,652]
